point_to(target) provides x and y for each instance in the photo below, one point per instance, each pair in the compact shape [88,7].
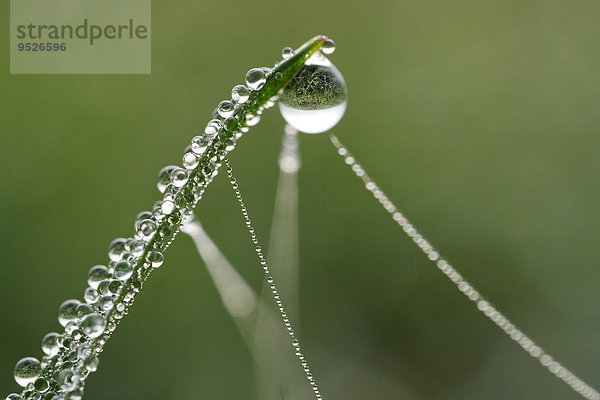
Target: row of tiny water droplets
[272,285]
[484,306]
[69,357]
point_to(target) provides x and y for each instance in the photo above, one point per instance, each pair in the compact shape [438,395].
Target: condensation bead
[14,396]
[231,124]
[164,177]
[240,93]
[83,310]
[136,247]
[128,256]
[167,207]
[190,160]
[187,216]
[114,286]
[328,46]
[179,177]
[96,275]
[116,248]
[67,379]
[91,363]
[71,327]
[136,285]
[93,325]
[106,303]
[230,145]
[123,270]
[146,229]
[103,288]
[225,108]
[256,78]
[41,385]
[84,351]
[200,144]
[27,370]
[67,311]
[165,231]
[287,52]
[213,126]
[76,334]
[50,344]
[155,258]
[252,119]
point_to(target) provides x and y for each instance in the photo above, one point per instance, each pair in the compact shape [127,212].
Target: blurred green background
[479,119]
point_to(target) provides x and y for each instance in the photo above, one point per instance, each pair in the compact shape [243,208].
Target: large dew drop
[27,370]
[93,325]
[315,100]
[67,312]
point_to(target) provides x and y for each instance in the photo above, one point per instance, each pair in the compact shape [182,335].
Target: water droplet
[123,270]
[179,177]
[107,302]
[103,288]
[213,126]
[71,327]
[27,371]
[240,93]
[167,207]
[252,119]
[116,248]
[231,124]
[67,312]
[287,52]
[91,363]
[83,310]
[91,295]
[256,78]
[136,247]
[50,344]
[315,100]
[14,396]
[225,108]
[230,145]
[328,46]
[93,325]
[155,258]
[164,177]
[114,286]
[67,379]
[41,385]
[96,275]
[84,351]
[190,160]
[200,143]
[146,229]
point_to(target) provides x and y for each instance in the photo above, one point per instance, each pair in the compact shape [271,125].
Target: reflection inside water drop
[313,121]
[315,100]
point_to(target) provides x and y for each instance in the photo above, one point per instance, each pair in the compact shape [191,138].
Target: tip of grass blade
[285,71]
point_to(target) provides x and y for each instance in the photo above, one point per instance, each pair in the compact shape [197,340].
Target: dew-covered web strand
[466,288]
[257,323]
[274,369]
[278,301]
